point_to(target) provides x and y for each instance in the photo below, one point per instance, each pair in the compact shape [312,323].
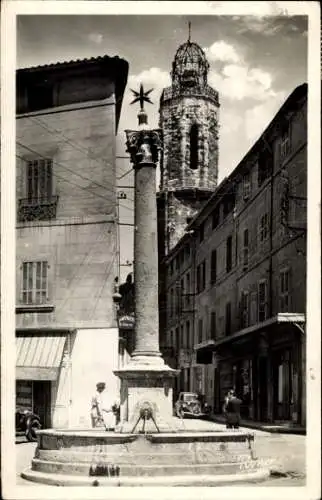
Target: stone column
[145,249]
[146,381]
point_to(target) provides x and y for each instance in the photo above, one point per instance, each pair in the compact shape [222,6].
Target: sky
[255,63]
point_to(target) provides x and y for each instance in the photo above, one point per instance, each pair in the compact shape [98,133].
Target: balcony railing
[37,208]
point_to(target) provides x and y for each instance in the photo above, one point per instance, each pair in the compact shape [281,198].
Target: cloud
[222,51]
[152,76]
[95,38]
[238,82]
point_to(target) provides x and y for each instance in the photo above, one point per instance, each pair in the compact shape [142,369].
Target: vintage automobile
[190,404]
[27,423]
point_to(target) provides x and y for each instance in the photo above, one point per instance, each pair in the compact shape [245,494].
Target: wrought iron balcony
[37,208]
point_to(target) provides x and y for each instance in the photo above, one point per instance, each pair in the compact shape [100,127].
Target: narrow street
[285,453]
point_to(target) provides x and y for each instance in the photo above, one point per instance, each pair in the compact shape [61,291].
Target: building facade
[246,279]
[66,251]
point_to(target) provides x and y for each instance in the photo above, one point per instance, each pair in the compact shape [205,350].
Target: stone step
[99,469]
[190,480]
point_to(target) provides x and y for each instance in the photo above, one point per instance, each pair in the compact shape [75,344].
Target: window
[213,275]
[188,340]
[262,300]
[194,132]
[228,319]
[200,332]
[177,308]
[201,232]
[245,250]
[265,166]
[187,251]
[264,227]
[213,325]
[244,310]
[188,289]
[229,253]
[171,267]
[177,341]
[201,277]
[171,308]
[246,186]
[229,204]
[182,339]
[285,141]
[284,295]
[216,217]
[39,180]
[34,282]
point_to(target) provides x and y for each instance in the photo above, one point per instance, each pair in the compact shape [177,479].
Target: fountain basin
[184,458]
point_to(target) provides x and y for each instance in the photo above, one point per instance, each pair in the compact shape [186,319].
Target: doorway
[262,386]
[42,402]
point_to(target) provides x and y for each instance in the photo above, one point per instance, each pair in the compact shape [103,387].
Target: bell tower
[189,111]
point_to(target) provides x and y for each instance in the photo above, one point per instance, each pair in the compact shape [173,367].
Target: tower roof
[190,66]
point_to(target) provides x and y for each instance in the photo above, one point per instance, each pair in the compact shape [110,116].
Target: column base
[146,386]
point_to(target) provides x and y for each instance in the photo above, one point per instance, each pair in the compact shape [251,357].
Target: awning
[38,356]
[205,348]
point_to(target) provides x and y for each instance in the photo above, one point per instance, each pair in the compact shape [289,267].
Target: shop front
[39,357]
[265,365]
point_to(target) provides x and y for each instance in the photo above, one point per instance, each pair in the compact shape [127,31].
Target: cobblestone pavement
[285,453]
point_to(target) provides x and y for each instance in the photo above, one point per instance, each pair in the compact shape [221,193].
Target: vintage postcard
[160,249]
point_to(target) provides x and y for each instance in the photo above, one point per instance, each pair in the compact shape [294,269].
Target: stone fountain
[149,446]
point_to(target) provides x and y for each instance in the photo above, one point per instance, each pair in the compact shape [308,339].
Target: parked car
[27,423]
[191,404]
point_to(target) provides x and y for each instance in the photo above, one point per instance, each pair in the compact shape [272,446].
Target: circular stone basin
[92,457]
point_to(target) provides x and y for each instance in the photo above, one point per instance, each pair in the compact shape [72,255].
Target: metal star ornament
[142,96]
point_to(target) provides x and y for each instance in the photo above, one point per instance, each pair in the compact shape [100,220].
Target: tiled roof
[73,62]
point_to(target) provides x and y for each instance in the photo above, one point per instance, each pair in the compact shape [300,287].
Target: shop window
[245,249]
[24,395]
[229,253]
[264,227]
[34,282]
[262,300]
[213,272]
[194,133]
[228,319]
[284,295]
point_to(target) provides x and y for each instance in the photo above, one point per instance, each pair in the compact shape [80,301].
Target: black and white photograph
[160,276]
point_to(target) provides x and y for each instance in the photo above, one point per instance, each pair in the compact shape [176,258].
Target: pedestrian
[232,410]
[102,408]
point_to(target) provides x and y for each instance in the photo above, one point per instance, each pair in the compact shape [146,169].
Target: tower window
[194,132]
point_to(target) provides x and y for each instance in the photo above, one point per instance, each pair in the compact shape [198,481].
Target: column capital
[143,146]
